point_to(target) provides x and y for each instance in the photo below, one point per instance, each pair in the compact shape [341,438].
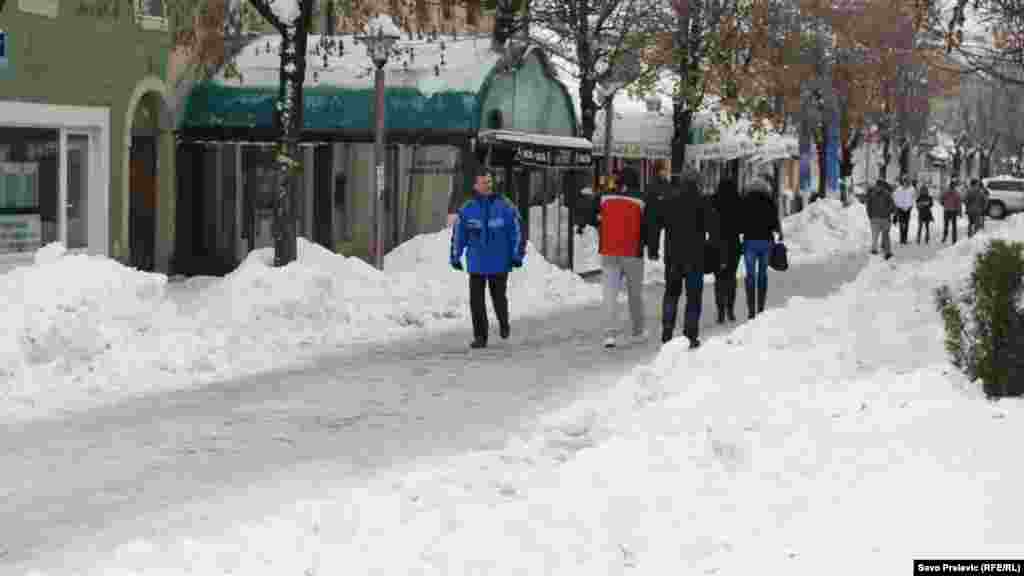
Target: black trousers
[675,277]
[903,219]
[949,221]
[477,307]
[725,279]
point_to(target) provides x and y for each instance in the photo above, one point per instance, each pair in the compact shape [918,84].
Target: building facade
[85,147]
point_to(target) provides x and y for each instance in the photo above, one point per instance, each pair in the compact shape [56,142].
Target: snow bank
[847,435]
[84,330]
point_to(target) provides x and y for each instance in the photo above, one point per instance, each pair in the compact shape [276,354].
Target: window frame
[148,21]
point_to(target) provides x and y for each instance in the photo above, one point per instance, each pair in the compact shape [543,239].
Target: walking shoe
[694,343]
[721,315]
[888,256]
[609,342]
[505,331]
[475,344]
[731,314]
[874,251]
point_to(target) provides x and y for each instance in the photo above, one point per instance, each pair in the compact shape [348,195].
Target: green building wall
[92,53]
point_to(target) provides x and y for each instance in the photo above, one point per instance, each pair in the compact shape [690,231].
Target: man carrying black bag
[690,230]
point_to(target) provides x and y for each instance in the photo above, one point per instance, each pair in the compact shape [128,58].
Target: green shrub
[989,345]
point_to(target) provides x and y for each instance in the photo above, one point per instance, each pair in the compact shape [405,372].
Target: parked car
[1005,195]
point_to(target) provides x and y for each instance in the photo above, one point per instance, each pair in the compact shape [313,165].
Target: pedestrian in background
[624,230]
[728,209]
[880,207]
[760,226]
[952,209]
[688,219]
[489,232]
[976,205]
[904,200]
[924,215]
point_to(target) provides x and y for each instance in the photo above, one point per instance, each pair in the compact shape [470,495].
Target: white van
[1005,195]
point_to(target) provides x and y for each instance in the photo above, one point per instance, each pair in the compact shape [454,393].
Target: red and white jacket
[624,218]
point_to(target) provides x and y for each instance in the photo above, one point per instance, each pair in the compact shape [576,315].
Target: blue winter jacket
[488,230]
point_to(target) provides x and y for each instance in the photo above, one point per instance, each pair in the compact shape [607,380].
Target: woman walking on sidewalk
[728,209]
[761,224]
[924,215]
[487,229]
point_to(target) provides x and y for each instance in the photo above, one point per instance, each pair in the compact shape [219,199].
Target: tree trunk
[904,159]
[820,140]
[886,158]
[289,119]
[588,107]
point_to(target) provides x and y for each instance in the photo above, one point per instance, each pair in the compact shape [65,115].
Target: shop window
[78,190]
[29,187]
[422,14]
[473,12]
[150,14]
[446,10]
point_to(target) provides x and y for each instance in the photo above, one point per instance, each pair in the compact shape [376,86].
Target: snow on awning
[546,150]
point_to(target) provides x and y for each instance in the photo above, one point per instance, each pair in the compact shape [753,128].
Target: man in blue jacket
[487,229]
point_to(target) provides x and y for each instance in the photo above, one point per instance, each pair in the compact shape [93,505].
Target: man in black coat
[689,222]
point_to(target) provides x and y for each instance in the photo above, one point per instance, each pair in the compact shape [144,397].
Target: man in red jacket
[624,227]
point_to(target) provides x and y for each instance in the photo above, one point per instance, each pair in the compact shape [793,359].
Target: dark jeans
[674,275]
[755,259]
[725,279]
[974,224]
[478,308]
[903,219]
[949,220]
[926,226]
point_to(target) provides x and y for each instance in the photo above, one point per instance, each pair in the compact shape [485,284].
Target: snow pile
[421,267]
[825,229]
[70,309]
[83,330]
[848,435]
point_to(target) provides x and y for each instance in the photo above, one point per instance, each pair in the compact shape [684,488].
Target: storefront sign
[551,157]
[20,232]
[637,150]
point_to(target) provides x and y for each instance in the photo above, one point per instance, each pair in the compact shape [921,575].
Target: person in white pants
[623,224]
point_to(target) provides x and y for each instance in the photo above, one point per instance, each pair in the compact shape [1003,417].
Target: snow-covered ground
[847,434]
[823,230]
[84,330]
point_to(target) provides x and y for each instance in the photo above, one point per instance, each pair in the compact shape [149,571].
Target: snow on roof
[431,66]
[537,139]
[383,24]
[287,11]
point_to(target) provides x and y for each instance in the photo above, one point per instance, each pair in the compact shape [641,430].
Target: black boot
[666,333]
[721,314]
[751,309]
[762,292]
[730,302]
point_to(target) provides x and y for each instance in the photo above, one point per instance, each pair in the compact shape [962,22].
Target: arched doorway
[143,181]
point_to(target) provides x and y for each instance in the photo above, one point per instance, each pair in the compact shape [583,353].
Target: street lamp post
[381,35]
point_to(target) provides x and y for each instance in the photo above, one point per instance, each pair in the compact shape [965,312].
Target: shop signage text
[556,158]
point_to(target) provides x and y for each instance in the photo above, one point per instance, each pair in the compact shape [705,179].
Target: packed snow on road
[828,430]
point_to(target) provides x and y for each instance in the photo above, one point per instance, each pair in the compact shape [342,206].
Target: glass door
[77,157]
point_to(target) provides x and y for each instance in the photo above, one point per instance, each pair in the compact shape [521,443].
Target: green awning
[212,105]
